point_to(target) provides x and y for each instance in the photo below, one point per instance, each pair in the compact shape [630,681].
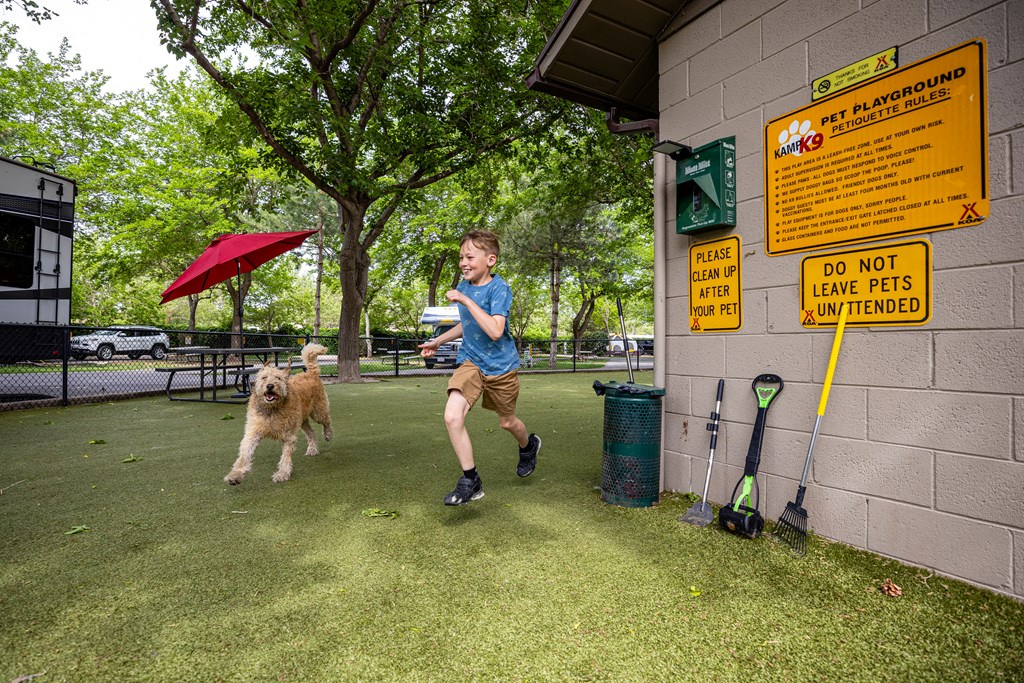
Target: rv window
[17,236]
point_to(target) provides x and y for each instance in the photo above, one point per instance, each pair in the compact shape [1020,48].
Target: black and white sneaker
[528,458]
[465,490]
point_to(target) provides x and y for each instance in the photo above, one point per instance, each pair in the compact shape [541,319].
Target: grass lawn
[129,559]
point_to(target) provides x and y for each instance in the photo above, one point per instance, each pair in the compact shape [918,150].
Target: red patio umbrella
[230,255]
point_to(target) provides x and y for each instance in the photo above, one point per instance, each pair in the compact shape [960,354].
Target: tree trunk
[581,321]
[368,341]
[556,288]
[355,268]
[193,305]
[435,279]
[319,281]
[237,302]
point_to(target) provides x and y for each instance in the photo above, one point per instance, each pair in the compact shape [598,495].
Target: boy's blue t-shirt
[493,357]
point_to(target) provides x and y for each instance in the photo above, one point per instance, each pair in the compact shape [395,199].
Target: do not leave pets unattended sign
[903,154]
[884,285]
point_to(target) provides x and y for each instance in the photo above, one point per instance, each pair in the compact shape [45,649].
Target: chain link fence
[55,365]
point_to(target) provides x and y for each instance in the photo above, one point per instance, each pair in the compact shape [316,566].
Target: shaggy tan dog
[280,405]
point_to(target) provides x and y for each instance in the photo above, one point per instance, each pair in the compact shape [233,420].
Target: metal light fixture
[675,150]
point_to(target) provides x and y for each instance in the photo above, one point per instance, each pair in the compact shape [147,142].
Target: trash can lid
[630,389]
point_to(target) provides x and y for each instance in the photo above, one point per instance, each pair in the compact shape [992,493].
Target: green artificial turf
[131,560]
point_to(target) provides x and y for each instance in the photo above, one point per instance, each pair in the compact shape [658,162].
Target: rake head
[699,514]
[792,528]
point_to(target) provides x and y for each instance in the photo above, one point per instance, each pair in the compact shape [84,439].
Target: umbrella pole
[244,390]
[241,326]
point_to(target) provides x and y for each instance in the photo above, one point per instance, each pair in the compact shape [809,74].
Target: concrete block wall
[921,451]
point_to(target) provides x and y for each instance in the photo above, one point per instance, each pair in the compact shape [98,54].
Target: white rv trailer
[37,211]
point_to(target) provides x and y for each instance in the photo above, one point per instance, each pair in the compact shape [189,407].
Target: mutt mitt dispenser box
[706,188]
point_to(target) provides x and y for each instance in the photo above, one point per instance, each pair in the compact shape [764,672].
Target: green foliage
[368,100]
[32,9]
[412,115]
[53,113]
[371,101]
[398,308]
[580,212]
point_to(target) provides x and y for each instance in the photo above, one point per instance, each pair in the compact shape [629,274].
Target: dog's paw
[313,451]
[328,434]
[233,479]
[281,477]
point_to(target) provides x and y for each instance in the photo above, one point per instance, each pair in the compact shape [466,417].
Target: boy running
[487,359]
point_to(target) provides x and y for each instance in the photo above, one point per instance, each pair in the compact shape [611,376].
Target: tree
[279,297]
[54,114]
[587,227]
[527,300]
[424,242]
[306,208]
[32,9]
[186,175]
[371,100]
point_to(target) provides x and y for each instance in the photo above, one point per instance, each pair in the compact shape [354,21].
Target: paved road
[117,379]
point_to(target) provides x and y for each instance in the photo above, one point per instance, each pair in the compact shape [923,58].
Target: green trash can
[631,457]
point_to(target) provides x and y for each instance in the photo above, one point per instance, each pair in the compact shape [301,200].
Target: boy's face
[475,263]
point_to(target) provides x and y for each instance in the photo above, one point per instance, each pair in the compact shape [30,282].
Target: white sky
[118,37]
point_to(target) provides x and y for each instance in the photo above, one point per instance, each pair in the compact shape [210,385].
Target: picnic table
[215,365]
[399,356]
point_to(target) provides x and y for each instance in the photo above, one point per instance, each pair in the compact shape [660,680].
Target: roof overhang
[604,54]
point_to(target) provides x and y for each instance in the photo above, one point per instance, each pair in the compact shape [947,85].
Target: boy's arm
[492,325]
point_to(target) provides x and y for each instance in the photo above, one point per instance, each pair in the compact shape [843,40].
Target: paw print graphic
[796,132]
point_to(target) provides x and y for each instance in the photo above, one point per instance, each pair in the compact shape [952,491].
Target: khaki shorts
[499,391]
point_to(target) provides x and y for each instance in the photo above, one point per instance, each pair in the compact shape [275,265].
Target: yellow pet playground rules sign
[903,154]
[889,284]
[716,303]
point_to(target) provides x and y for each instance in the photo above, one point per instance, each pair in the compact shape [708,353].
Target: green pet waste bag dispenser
[706,188]
[631,452]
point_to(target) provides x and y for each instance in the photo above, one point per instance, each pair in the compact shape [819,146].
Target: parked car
[645,347]
[134,342]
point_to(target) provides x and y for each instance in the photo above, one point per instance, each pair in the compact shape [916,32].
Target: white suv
[133,342]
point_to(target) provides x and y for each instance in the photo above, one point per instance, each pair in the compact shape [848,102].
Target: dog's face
[270,388]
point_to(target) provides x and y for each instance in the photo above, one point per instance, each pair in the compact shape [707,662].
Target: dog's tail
[309,356]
